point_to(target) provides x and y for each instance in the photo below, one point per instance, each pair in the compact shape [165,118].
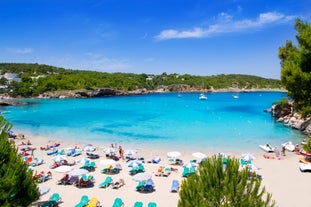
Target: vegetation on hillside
[17,187]
[37,79]
[296,68]
[216,185]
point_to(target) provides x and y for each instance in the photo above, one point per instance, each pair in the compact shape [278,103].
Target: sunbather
[118,184]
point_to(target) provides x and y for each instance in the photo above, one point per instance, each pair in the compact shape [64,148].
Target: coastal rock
[291,119]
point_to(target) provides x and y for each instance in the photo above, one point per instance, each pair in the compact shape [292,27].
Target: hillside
[38,79]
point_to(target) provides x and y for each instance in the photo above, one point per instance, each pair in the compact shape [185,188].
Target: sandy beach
[282,178]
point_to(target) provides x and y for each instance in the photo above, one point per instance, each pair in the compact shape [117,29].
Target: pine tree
[16,185]
[216,185]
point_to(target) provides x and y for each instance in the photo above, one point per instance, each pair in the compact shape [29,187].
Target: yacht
[202,97]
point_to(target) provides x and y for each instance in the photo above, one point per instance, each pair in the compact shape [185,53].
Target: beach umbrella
[247,157]
[83,160]
[173,154]
[63,168]
[43,189]
[89,148]
[199,155]
[107,162]
[109,150]
[190,165]
[59,158]
[224,155]
[139,177]
[130,152]
[134,163]
[78,172]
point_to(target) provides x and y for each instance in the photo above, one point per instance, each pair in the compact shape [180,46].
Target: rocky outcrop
[290,118]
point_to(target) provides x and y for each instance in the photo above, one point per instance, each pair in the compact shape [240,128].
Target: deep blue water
[158,120]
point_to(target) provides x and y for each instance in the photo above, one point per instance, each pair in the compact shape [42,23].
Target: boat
[235,96]
[267,148]
[289,146]
[202,97]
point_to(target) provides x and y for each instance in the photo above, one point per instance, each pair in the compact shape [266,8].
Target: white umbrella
[107,162]
[59,158]
[43,189]
[190,165]
[130,152]
[247,157]
[78,172]
[173,154]
[63,168]
[83,160]
[199,155]
[134,163]
[109,150]
[89,148]
[141,177]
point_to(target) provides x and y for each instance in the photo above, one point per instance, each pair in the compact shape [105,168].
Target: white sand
[282,178]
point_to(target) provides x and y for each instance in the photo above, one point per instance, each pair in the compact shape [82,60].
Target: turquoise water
[158,120]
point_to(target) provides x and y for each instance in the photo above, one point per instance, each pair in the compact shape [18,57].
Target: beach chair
[141,168]
[71,152]
[175,186]
[117,202]
[117,184]
[62,152]
[106,183]
[138,204]
[54,200]
[149,186]
[77,153]
[91,166]
[185,172]
[152,204]
[83,201]
[93,202]
[166,172]
[140,186]
[92,156]
[133,171]
[52,151]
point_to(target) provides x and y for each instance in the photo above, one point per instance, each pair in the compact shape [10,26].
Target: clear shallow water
[158,120]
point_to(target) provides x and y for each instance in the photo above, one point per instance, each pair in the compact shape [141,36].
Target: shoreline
[278,177]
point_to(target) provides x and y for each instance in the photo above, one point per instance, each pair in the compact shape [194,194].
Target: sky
[196,37]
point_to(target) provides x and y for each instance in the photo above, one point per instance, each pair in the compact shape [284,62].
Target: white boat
[289,146]
[202,97]
[267,148]
[235,96]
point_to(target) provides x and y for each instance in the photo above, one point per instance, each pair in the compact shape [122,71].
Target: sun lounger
[83,201]
[54,200]
[93,203]
[152,204]
[117,202]
[138,204]
[52,151]
[175,186]
[92,156]
[118,184]
[140,186]
[77,152]
[149,186]
[166,172]
[106,183]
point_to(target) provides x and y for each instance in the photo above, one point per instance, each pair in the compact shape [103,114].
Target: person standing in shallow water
[283,150]
[121,152]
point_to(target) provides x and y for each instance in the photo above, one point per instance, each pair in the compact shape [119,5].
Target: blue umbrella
[134,163]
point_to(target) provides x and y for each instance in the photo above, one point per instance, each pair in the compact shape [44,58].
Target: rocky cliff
[290,118]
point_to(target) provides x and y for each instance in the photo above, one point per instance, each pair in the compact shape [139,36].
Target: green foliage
[16,185]
[37,79]
[296,66]
[281,103]
[307,146]
[213,185]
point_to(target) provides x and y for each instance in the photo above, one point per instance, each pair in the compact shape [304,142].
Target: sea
[226,121]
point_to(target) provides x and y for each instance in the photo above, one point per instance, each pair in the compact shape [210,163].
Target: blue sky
[151,36]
